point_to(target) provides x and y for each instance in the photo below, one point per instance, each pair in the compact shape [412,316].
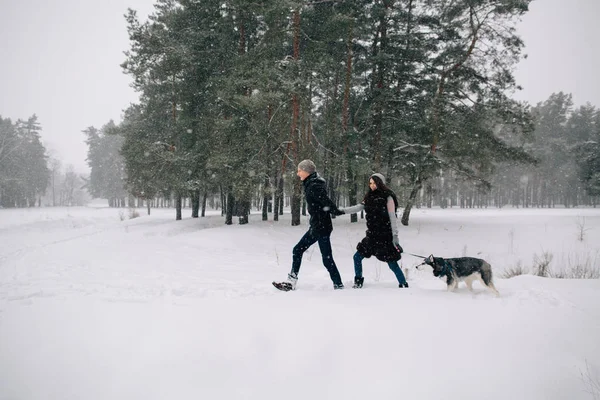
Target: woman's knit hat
[380,176]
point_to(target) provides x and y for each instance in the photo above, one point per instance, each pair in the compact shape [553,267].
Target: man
[320,208]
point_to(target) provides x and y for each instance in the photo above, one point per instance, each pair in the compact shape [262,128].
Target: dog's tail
[486,276]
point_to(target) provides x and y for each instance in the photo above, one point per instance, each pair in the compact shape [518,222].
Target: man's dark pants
[325,245]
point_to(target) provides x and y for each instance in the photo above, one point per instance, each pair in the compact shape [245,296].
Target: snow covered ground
[92,307]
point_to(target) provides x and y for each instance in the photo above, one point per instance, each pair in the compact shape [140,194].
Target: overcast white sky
[60,60]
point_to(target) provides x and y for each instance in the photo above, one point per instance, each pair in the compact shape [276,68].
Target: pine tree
[24,173]
[475,48]
[584,125]
[107,172]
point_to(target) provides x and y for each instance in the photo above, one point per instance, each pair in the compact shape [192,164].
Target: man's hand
[337,211]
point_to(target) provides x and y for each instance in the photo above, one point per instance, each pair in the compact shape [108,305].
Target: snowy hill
[95,307]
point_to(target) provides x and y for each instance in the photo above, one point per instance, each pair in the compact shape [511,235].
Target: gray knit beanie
[308,166]
[380,176]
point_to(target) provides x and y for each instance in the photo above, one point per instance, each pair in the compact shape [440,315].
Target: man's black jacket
[319,205]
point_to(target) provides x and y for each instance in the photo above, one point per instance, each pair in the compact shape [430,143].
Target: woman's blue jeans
[392,264]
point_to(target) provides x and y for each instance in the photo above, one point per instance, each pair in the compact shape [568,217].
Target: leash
[416,255]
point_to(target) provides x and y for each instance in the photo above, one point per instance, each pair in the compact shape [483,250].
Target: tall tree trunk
[296,192]
[345,118]
[230,206]
[177,206]
[204,196]
[352,192]
[195,203]
[281,197]
[223,201]
[243,207]
[53,190]
[276,201]
[266,199]
[417,184]
[429,194]
[379,46]
[296,202]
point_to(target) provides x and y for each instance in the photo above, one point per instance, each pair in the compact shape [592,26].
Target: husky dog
[465,269]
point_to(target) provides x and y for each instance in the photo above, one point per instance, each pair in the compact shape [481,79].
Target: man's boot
[292,280]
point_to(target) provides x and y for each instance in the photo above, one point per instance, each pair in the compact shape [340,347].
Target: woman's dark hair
[379,183]
[386,190]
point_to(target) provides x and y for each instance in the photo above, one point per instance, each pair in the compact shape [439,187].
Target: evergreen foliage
[234,94]
[24,173]
[107,176]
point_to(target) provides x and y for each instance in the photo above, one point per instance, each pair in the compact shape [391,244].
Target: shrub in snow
[591,381]
[514,271]
[585,266]
[541,264]
[581,229]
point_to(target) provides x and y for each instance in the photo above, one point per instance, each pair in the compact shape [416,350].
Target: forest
[233,94]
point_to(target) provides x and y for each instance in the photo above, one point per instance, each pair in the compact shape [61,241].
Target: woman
[380,205]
